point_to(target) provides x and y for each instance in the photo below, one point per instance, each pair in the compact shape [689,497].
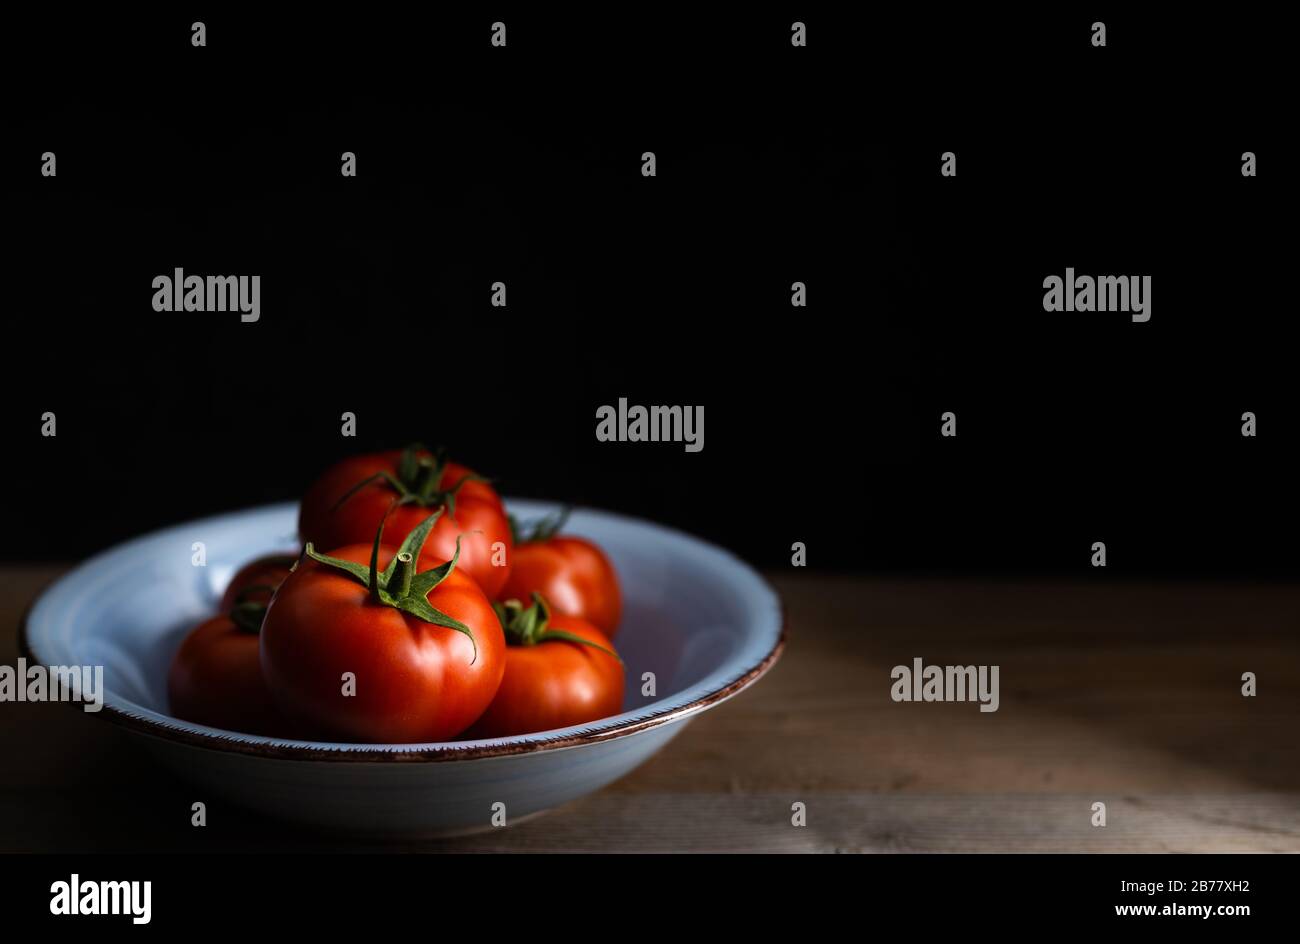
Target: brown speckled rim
[448,751]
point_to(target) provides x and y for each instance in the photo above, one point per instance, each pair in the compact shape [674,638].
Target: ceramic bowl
[703,622]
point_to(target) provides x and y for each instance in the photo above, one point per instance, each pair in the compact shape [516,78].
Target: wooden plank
[155,819]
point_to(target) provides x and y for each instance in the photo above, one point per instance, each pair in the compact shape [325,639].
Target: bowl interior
[695,618]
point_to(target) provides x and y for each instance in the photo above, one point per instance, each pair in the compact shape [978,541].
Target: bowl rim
[234,742]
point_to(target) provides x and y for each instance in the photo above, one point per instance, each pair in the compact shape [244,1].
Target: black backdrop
[775,164]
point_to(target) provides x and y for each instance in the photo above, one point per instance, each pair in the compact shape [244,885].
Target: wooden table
[1125,694]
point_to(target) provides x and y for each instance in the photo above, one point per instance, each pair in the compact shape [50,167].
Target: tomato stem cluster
[397,585]
[248,614]
[528,626]
[419,475]
[540,530]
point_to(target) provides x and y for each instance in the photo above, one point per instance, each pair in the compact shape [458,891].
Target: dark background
[775,164]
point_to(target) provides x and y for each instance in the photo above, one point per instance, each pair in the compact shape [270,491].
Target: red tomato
[256,581]
[216,679]
[411,680]
[567,674]
[573,574]
[331,517]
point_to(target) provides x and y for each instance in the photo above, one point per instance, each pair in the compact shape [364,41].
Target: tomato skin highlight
[554,684]
[480,517]
[573,574]
[216,679]
[414,681]
[268,571]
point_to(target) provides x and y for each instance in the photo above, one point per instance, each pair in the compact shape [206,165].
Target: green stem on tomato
[397,585]
[528,626]
[248,614]
[543,529]
[418,480]
[402,575]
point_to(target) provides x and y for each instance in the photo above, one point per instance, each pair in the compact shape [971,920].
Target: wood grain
[1128,694]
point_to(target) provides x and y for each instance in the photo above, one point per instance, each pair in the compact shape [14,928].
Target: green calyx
[247,613]
[398,585]
[419,475]
[528,626]
[542,529]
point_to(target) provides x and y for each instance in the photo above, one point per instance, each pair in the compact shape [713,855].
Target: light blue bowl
[703,622]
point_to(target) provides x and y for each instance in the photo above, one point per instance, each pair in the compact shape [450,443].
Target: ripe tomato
[216,679]
[560,671]
[257,580]
[387,655]
[573,574]
[347,503]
